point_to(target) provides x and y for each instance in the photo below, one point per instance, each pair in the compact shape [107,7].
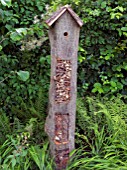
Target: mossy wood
[64,28]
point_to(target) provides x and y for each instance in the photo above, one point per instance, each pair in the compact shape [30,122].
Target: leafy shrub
[4,127]
[101,135]
[22,37]
[24,46]
[102,132]
[16,153]
[33,114]
[29,117]
[41,157]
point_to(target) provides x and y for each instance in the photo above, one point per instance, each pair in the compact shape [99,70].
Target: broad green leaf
[0,47]
[124,28]
[15,36]
[24,153]
[81,49]
[107,57]
[100,90]
[97,85]
[125,33]
[112,15]
[18,34]
[24,75]
[103,4]
[42,60]
[119,85]
[6,2]
[13,161]
[106,88]
[1,14]
[121,8]
[21,31]
[113,84]
[125,67]
[94,90]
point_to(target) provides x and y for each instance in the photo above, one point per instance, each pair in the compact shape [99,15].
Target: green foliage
[81,160]
[18,34]
[22,31]
[102,50]
[102,132]
[41,157]
[101,135]
[4,127]
[6,2]
[33,114]
[24,47]
[29,117]
[14,153]
[25,67]
[23,75]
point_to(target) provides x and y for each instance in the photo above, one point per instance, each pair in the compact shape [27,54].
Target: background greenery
[102,84]
[25,48]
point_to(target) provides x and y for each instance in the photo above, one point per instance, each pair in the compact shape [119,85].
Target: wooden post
[64,28]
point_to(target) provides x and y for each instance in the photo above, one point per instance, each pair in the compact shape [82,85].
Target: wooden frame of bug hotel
[64,28]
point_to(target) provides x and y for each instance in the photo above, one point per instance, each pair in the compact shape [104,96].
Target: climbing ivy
[22,36]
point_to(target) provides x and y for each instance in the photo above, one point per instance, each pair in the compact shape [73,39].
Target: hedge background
[25,48]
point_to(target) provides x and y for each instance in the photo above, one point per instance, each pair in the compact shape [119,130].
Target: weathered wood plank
[60,123]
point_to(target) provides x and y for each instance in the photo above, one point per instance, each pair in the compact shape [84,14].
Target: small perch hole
[65,34]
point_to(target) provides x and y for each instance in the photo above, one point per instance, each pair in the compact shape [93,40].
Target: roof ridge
[60,12]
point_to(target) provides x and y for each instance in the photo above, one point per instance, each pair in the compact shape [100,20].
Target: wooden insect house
[64,28]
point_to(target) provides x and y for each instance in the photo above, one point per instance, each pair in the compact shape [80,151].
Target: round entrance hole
[65,34]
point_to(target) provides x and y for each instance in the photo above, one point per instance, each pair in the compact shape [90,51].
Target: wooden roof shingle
[60,12]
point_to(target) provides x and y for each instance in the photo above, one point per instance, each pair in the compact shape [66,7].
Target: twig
[4,80]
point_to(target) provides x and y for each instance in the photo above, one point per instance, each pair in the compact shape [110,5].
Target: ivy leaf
[42,60]
[23,75]
[107,57]
[97,85]
[81,49]
[103,4]
[106,88]
[113,84]
[18,34]
[124,28]
[124,33]
[119,85]
[15,37]
[121,8]
[21,31]
[6,2]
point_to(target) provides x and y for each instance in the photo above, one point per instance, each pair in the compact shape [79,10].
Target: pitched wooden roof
[60,12]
